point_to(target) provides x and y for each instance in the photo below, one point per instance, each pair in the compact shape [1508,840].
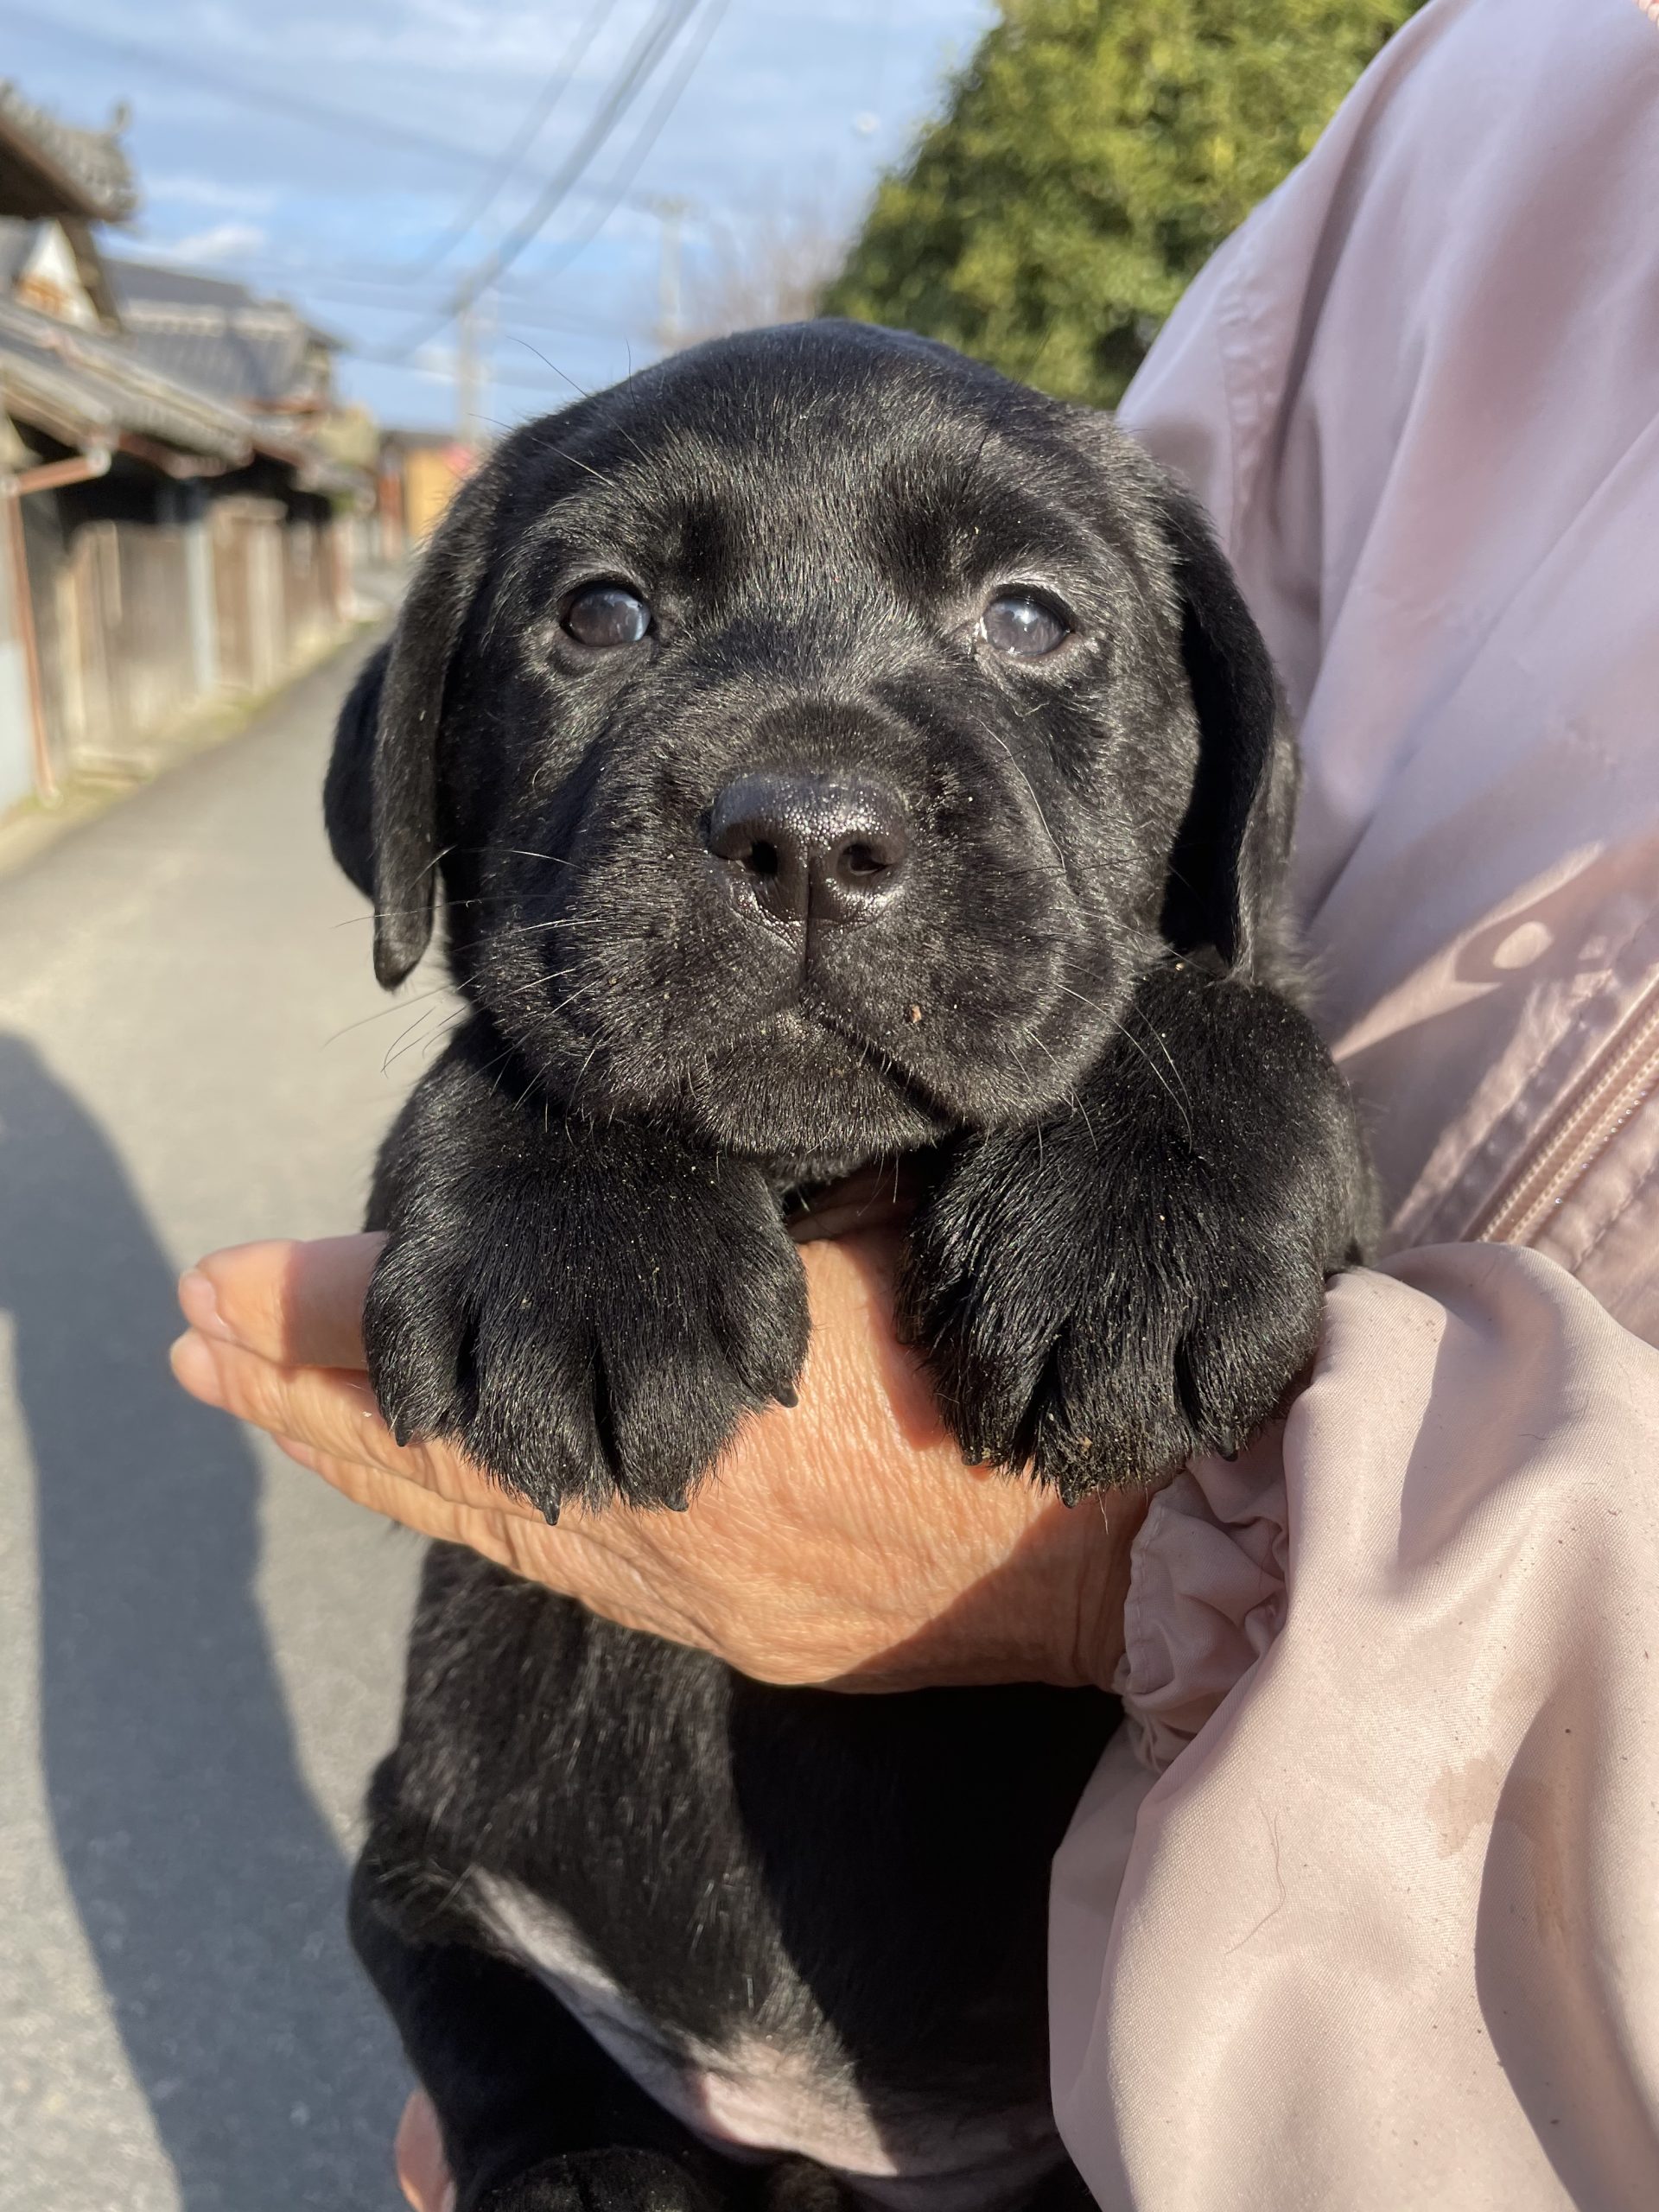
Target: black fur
[1077,1011]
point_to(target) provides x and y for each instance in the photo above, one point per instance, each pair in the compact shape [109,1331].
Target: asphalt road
[200,1645]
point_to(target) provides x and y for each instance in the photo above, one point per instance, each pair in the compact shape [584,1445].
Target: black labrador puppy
[827,751]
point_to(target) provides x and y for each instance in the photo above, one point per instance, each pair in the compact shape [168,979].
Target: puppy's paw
[1099,1328]
[590,1317]
[1106,1297]
[602,2181]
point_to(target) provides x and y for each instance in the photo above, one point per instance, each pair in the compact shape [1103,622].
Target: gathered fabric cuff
[1206,1596]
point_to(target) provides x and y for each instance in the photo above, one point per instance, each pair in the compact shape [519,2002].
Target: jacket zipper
[1621,1076]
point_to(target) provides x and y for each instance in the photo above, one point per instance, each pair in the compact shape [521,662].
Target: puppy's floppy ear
[346,789]
[380,801]
[1228,869]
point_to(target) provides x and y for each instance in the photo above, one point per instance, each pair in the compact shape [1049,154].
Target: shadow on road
[208,1885]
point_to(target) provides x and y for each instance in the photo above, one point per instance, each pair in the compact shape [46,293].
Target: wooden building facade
[174,528]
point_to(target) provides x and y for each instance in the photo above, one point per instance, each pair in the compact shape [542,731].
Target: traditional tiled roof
[16,244]
[84,388]
[48,168]
[219,335]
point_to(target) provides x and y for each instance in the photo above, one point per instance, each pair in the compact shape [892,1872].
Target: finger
[559,1557]
[333,1412]
[422,2172]
[412,1504]
[298,1303]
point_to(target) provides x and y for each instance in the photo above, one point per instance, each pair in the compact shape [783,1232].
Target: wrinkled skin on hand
[841,1541]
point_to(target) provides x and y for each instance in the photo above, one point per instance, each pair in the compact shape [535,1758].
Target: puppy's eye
[606,614]
[1021,626]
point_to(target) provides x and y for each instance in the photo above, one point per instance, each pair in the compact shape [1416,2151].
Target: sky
[338,155]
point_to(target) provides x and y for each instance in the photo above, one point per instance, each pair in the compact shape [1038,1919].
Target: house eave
[53,168]
[80,389]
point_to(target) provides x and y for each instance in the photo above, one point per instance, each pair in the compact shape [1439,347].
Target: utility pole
[471,329]
[466,374]
[671,213]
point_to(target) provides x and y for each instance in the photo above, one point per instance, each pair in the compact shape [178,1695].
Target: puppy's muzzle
[798,849]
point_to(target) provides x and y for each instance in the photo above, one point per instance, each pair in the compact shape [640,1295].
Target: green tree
[1090,158]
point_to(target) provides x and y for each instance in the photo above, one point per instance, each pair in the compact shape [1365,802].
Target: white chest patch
[759,2096]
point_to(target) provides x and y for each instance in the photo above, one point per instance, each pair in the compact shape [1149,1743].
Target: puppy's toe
[1244,1344]
[415,1332]
[1101,1422]
[994,1402]
[529,1420]
[761,1325]
[489,1377]
[665,1412]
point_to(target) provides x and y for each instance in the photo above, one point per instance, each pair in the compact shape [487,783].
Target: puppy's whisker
[997,738]
[400,1042]
[1078,1107]
[596,475]
[582,1071]
[500,1060]
[432,1037]
[436,1036]
[1135,1010]
[580,389]
[399,913]
[1071,1097]
[1179,1103]
[519,852]
[381,1012]
[530,929]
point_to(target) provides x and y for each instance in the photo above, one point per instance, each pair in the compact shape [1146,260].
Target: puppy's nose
[811,848]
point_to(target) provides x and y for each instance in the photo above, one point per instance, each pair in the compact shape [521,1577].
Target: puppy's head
[814,736]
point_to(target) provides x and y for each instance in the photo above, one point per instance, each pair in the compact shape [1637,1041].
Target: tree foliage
[1092,157]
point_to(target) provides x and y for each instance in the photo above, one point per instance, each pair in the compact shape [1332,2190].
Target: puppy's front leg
[1108,1294]
[588,1309]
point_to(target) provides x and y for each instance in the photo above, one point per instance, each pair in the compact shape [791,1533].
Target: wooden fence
[138,623]
[125,668]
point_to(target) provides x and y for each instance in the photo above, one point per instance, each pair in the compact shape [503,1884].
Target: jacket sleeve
[1362,1912]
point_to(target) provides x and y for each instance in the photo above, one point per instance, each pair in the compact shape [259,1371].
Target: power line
[667,21]
[322,115]
[559,83]
[368,285]
[649,132]
[645,139]
[371,293]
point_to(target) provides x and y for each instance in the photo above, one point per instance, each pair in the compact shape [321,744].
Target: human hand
[423,2171]
[841,1541]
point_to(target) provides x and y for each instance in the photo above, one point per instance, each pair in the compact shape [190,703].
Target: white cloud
[208,192]
[223,242]
[433,362]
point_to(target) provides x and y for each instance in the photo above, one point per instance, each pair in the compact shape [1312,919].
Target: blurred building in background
[420,472]
[181,494]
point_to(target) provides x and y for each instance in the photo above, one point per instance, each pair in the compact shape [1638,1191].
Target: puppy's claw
[787,1395]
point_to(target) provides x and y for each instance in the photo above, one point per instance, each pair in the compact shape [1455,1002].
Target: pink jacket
[1362,1913]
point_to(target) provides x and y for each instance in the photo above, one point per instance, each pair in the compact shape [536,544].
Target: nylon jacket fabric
[1363,1909]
